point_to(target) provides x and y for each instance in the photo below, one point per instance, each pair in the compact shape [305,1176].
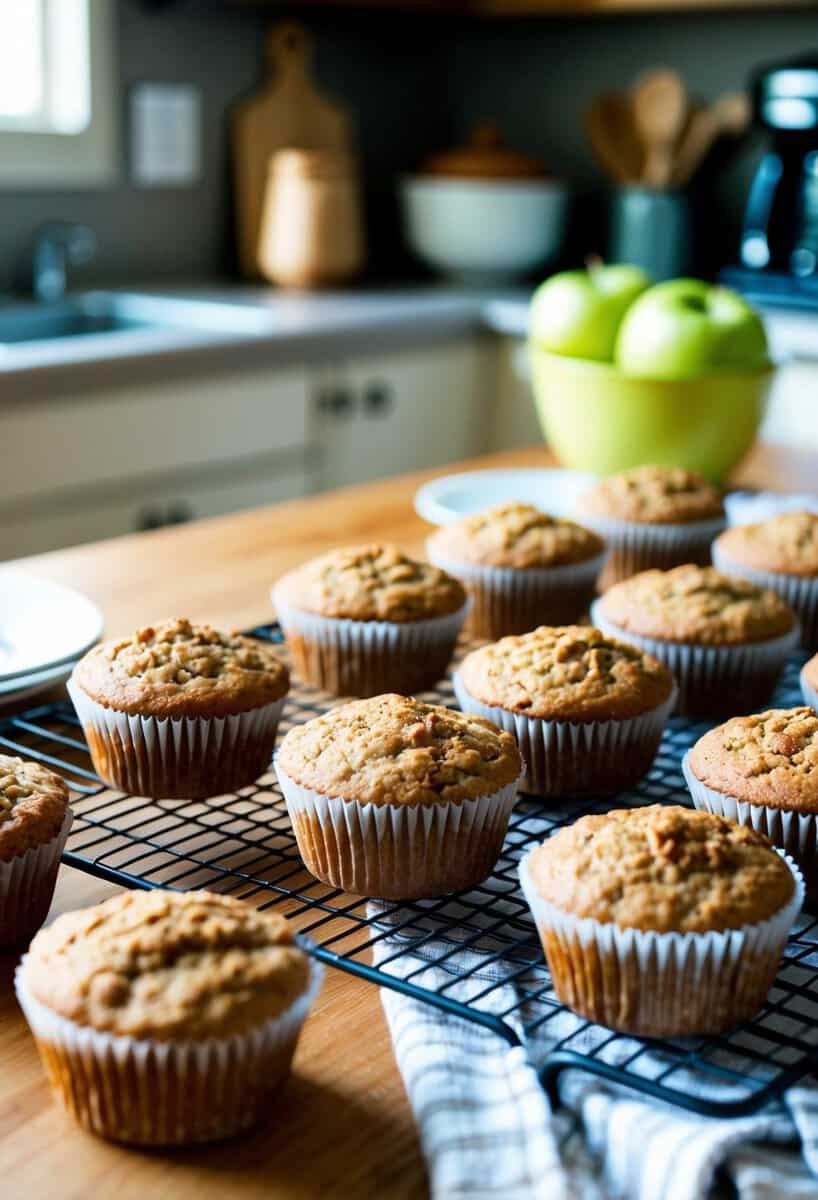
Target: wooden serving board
[288,111]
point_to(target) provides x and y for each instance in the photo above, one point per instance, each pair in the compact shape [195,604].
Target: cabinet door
[167,503]
[513,422]
[400,412]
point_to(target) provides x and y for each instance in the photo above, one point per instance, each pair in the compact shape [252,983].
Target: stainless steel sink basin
[94,313]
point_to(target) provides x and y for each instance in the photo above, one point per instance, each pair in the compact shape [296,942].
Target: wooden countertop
[343,1127]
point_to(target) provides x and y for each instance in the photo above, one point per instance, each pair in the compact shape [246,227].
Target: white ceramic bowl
[484,231]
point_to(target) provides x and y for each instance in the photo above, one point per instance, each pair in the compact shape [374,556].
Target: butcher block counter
[343,1126]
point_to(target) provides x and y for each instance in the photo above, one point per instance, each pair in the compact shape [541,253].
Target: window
[57,108]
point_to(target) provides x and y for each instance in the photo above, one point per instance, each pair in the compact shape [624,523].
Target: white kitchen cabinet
[109,514]
[77,467]
[513,421]
[385,414]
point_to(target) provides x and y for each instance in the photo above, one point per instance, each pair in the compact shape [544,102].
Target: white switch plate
[166,134]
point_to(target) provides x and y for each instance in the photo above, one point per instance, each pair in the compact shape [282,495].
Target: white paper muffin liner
[809,693]
[799,592]
[636,546]
[509,600]
[366,658]
[27,887]
[712,679]
[661,984]
[794,832]
[576,757]
[177,758]
[397,851]
[164,1093]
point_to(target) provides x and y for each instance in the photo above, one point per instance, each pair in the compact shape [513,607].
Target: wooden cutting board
[288,111]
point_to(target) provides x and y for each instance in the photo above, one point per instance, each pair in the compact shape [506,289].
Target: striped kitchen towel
[489,1133]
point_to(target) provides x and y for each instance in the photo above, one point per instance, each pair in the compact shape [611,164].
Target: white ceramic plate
[451,497]
[27,686]
[42,625]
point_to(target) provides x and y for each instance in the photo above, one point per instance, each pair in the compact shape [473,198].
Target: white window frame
[87,158]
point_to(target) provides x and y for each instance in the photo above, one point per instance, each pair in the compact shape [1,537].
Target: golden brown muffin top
[770,758]
[371,583]
[33,804]
[569,673]
[396,750]
[514,535]
[696,604]
[664,869]
[654,496]
[787,543]
[811,672]
[178,669]
[168,965]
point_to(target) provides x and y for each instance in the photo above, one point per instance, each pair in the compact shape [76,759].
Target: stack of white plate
[44,629]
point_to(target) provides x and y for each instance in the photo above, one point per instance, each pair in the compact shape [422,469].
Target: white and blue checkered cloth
[489,1133]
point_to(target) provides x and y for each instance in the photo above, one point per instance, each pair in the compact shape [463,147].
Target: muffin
[369,619]
[809,682]
[393,798]
[587,710]
[661,921]
[166,1018]
[653,517]
[782,554]
[34,824]
[763,772]
[180,710]
[724,639]
[521,567]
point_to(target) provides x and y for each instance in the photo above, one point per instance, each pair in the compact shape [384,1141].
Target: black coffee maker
[781,219]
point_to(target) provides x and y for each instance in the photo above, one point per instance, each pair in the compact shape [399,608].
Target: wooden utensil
[610,128]
[288,111]
[729,117]
[660,105]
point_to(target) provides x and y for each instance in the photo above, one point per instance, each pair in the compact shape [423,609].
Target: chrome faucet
[56,244]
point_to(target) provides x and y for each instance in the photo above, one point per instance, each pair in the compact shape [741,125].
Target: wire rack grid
[475,954]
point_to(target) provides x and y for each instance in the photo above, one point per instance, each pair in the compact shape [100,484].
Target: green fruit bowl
[597,419]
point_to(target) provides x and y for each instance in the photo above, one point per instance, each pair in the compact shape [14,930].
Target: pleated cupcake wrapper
[162,757]
[516,599]
[799,592]
[397,851]
[149,1092]
[368,657]
[703,672]
[636,546]
[661,984]
[809,693]
[570,757]
[27,887]
[794,832]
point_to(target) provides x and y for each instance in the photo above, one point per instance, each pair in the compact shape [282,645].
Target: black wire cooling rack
[475,954]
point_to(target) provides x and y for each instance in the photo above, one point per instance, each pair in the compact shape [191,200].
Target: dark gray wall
[538,76]
[414,81]
[385,67]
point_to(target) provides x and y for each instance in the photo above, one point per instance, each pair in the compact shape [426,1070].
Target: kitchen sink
[107,313]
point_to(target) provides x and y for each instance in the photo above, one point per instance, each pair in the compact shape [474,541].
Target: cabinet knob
[378,399]
[336,401]
[151,517]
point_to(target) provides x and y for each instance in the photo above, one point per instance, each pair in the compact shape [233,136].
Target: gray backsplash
[414,81]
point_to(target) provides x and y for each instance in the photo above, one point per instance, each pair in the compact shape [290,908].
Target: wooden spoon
[730,116]
[659,107]
[610,129]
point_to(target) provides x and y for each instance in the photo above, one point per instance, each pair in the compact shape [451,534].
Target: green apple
[685,328]
[578,313]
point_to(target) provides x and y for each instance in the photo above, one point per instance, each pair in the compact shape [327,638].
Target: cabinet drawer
[92,439]
[109,517]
